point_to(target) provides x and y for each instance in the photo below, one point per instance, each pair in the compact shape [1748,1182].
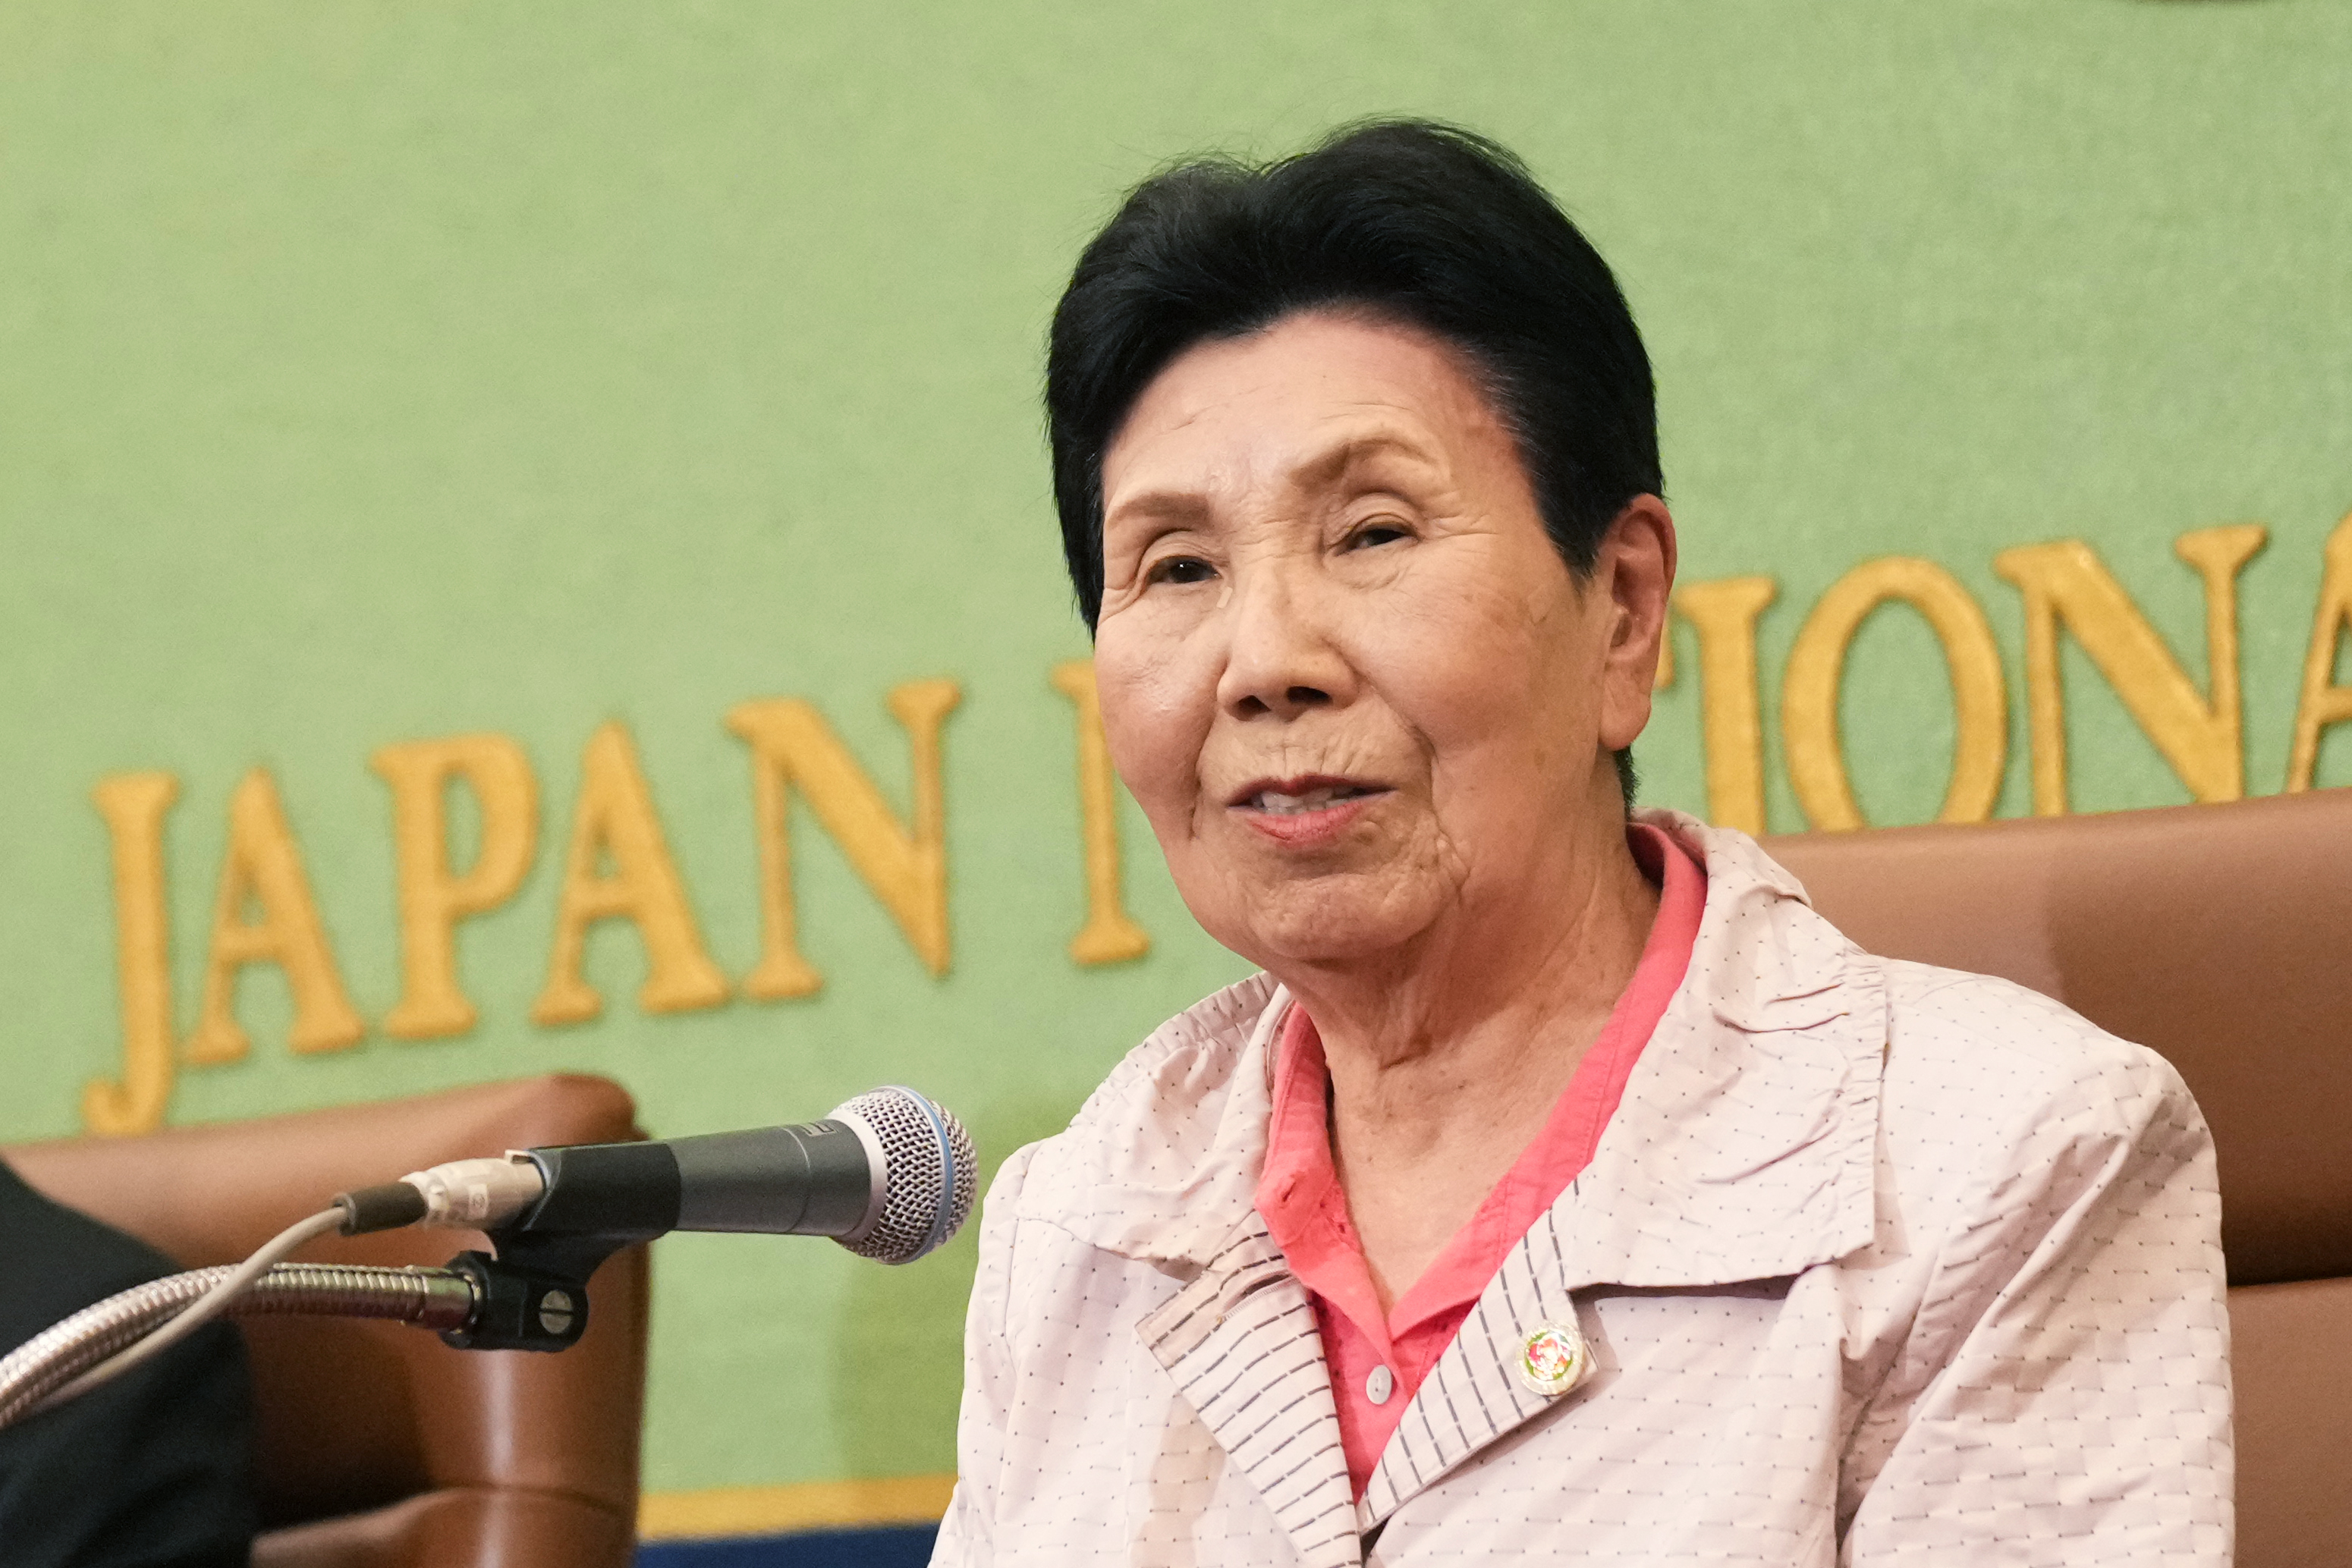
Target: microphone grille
[930,1173]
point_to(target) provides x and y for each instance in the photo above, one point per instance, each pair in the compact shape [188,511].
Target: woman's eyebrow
[1328,466]
[1177,507]
[1170,507]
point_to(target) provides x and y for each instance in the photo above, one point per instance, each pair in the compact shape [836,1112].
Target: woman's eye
[1372,534]
[1180,569]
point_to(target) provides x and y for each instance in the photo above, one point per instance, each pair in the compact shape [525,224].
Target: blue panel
[901,1546]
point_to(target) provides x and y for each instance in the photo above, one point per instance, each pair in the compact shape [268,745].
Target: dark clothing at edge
[153,1471]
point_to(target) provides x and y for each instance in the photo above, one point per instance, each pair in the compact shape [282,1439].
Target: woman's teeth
[1283,805]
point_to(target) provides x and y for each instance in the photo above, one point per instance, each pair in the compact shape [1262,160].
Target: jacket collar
[1162,1161]
[1745,1146]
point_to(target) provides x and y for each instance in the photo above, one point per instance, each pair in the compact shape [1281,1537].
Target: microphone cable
[196,1315]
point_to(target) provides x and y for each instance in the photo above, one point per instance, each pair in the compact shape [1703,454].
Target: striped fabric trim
[1241,1344]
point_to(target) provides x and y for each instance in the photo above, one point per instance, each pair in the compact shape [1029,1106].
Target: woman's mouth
[1304,810]
[1282,804]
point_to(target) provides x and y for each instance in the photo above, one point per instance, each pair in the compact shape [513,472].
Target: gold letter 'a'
[2324,703]
[615,821]
[262,871]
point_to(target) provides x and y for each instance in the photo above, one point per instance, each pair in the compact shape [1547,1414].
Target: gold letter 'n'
[905,864]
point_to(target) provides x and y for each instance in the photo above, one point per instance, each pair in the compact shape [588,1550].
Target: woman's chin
[1317,928]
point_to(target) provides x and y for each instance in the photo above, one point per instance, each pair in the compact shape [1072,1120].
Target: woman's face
[1343,669]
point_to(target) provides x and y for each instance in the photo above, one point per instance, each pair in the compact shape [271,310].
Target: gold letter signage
[1731,710]
[432,899]
[615,821]
[2324,702]
[618,865]
[263,868]
[2065,582]
[133,805]
[1109,935]
[905,865]
[1809,691]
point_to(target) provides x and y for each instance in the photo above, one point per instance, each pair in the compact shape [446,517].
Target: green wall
[374,372]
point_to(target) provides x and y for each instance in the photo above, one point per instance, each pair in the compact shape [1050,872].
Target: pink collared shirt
[1378,1362]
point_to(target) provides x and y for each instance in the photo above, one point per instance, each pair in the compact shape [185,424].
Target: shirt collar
[1299,1194]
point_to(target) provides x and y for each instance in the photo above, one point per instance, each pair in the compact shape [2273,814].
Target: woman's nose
[1281,660]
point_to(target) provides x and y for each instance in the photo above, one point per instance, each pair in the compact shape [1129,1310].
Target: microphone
[889,1174]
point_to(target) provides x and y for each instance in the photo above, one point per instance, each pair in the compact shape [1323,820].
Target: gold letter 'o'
[1809,694]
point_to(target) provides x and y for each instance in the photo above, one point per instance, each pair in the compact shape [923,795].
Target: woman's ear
[1635,567]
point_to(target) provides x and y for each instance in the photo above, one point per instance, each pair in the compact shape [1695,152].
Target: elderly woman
[1566,1189]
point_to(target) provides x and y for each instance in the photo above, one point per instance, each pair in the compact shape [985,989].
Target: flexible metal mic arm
[531,1295]
[49,1360]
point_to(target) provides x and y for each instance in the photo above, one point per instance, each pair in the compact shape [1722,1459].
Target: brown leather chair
[2222,937]
[379,1446]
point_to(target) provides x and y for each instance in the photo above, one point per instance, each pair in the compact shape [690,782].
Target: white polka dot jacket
[1875,1263]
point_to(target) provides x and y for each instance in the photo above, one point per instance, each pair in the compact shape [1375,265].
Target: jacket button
[1379,1385]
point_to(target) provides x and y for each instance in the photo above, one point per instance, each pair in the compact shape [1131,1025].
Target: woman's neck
[1445,1060]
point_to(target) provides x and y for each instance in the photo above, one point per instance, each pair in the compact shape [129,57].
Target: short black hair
[1424,223]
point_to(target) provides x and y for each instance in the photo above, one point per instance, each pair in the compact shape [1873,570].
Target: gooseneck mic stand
[530,1293]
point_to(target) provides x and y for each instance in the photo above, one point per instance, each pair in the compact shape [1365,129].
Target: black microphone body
[815,1178]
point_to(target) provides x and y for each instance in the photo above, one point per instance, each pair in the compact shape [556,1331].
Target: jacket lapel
[1472,1397]
[1242,1345]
